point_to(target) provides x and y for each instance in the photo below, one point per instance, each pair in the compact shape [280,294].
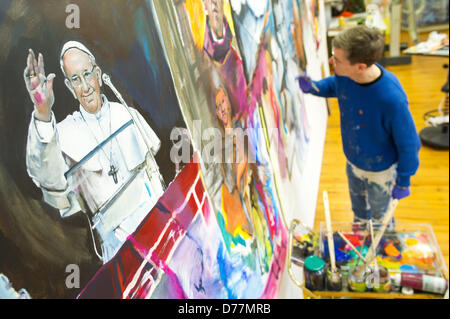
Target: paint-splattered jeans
[370,192]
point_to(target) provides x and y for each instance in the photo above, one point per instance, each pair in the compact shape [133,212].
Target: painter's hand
[39,86]
[304,82]
[400,192]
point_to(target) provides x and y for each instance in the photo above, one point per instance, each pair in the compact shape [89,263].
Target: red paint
[354,239]
[145,249]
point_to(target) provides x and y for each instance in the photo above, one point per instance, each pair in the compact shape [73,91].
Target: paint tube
[421,282]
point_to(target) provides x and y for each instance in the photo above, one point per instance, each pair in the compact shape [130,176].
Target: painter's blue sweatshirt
[376,125]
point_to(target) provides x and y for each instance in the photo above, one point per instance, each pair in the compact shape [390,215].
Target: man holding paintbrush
[379,136]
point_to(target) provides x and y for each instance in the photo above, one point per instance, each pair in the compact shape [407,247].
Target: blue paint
[224,269]
[241,275]
[409,268]
[148,190]
[339,255]
[143,73]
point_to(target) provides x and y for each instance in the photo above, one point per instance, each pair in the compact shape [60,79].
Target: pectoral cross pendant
[113,172]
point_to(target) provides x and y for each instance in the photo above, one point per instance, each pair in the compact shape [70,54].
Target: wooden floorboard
[429,201]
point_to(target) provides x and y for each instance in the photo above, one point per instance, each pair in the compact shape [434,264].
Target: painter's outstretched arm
[324,88]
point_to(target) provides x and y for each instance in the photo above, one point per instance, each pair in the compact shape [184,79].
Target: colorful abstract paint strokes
[178,252]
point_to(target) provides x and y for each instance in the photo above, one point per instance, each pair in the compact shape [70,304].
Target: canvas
[184,143]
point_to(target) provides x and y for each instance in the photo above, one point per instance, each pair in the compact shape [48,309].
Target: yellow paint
[306,237]
[224,214]
[239,231]
[388,263]
[268,249]
[197,21]
[227,14]
[412,241]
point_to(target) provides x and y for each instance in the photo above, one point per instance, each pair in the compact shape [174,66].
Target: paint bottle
[421,282]
[314,273]
[334,280]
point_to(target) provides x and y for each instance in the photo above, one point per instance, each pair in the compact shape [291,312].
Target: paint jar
[384,280]
[304,249]
[314,273]
[357,282]
[334,281]
[344,269]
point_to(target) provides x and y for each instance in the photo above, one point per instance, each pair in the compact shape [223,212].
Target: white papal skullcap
[74,44]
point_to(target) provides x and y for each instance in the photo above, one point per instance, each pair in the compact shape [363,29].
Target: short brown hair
[361,43]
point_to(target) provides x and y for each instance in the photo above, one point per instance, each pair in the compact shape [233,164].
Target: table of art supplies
[347,260]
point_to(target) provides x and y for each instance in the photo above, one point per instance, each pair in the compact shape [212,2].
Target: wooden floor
[429,201]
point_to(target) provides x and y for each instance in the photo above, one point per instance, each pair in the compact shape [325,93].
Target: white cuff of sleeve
[45,130]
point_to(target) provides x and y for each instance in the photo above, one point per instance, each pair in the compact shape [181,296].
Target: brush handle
[374,251]
[351,246]
[370,255]
[329,231]
[380,234]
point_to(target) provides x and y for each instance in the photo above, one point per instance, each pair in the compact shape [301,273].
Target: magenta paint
[177,291]
[38,98]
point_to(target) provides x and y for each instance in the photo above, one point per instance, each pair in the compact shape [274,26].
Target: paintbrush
[334,279]
[370,255]
[329,231]
[351,246]
[312,83]
[374,252]
[362,249]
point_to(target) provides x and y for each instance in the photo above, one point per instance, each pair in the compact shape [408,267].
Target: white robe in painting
[53,148]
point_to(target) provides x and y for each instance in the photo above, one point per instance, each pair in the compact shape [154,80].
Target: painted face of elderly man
[83,78]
